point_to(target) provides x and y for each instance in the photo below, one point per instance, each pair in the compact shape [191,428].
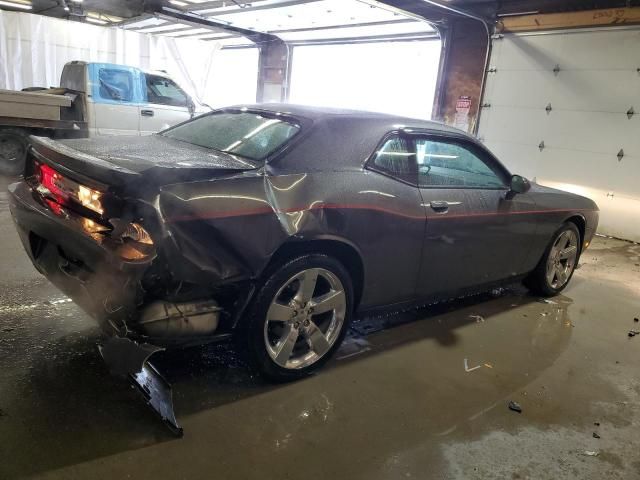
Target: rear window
[245,134]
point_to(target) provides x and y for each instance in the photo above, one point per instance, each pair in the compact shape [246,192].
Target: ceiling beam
[195,20]
[587,18]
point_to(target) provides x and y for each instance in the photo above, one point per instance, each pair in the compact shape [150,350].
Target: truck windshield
[245,134]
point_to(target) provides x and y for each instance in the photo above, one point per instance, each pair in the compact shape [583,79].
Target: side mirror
[519,184]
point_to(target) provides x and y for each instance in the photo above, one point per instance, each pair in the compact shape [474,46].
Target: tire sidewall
[541,274]
[14,168]
[253,331]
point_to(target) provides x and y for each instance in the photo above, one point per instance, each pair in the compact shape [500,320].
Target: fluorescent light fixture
[23,6]
[96,20]
[179,3]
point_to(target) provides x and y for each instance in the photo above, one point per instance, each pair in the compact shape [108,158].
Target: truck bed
[58,109]
[35,105]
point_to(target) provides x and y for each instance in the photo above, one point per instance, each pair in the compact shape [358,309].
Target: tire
[556,267]
[291,340]
[13,151]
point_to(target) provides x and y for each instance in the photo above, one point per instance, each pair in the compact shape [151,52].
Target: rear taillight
[64,191]
[84,205]
[49,179]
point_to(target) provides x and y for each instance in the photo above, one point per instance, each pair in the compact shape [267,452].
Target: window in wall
[449,164]
[393,77]
[115,84]
[235,80]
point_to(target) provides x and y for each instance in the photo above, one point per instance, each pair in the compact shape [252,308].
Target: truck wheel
[299,317]
[13,151]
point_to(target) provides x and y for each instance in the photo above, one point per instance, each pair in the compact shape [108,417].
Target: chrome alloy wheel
[562,259]
[305,318]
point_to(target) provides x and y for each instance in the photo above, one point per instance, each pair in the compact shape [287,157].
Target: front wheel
[299,317]
[558,263]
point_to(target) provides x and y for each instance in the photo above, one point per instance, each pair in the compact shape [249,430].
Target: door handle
[146,113]
[439,206]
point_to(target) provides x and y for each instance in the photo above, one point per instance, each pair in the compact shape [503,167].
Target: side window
[115,84]
[449,164]
[164,91]
[397,159]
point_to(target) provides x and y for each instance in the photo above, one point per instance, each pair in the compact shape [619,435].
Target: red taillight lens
[50,179]
[65,191]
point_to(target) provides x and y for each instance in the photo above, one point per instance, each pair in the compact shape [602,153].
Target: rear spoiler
[80,165]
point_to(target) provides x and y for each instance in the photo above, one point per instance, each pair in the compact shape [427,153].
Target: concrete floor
[398,401]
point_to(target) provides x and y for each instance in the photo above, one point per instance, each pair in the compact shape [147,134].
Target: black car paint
[218,222]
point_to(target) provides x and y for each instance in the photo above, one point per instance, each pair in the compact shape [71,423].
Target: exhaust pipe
[190,319]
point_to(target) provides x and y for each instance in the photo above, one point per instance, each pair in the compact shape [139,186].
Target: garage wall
[392,77]
[565,128]
[34,49]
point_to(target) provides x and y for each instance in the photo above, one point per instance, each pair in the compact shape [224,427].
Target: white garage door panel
[600,49]
[564,166]
[605,133]
[569,90]
[597,83]
[521,53]
[576,50]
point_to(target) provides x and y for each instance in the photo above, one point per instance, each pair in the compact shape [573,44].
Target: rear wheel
[558,263]
[299,317]
[13,151]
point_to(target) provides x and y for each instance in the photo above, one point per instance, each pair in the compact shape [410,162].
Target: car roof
[317,113]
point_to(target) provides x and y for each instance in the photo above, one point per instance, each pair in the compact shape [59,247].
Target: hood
[150,160]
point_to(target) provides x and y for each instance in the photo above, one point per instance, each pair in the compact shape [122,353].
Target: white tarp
[34,49]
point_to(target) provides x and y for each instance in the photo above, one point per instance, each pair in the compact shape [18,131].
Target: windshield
[246,134]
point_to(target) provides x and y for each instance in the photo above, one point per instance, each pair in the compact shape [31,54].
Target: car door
[166,104]
[114,100]
[393,245]
[477,230]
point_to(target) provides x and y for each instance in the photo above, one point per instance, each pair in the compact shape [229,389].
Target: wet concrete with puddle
[417,394]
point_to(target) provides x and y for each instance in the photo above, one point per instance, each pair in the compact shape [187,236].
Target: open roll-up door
[563,108]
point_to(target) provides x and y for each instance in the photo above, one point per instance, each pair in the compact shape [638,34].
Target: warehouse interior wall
[34,49]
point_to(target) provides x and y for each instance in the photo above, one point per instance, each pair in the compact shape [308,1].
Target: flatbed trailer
[54,113]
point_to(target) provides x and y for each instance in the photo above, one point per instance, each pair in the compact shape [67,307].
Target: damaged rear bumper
[102,283]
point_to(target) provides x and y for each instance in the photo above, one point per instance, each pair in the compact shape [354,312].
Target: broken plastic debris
[488,365]
[636,319]
[595,435]
[591,454]
[546,300]
[477,318]
[515,406]
[633,333]
[467,369]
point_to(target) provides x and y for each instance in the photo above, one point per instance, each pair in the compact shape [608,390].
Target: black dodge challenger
[274,224]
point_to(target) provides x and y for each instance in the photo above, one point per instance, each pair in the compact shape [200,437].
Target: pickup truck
[94,99]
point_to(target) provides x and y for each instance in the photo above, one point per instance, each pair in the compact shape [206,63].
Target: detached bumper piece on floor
[126,358]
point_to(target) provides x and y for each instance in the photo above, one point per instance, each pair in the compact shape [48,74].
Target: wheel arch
[580,222]
[343,250]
